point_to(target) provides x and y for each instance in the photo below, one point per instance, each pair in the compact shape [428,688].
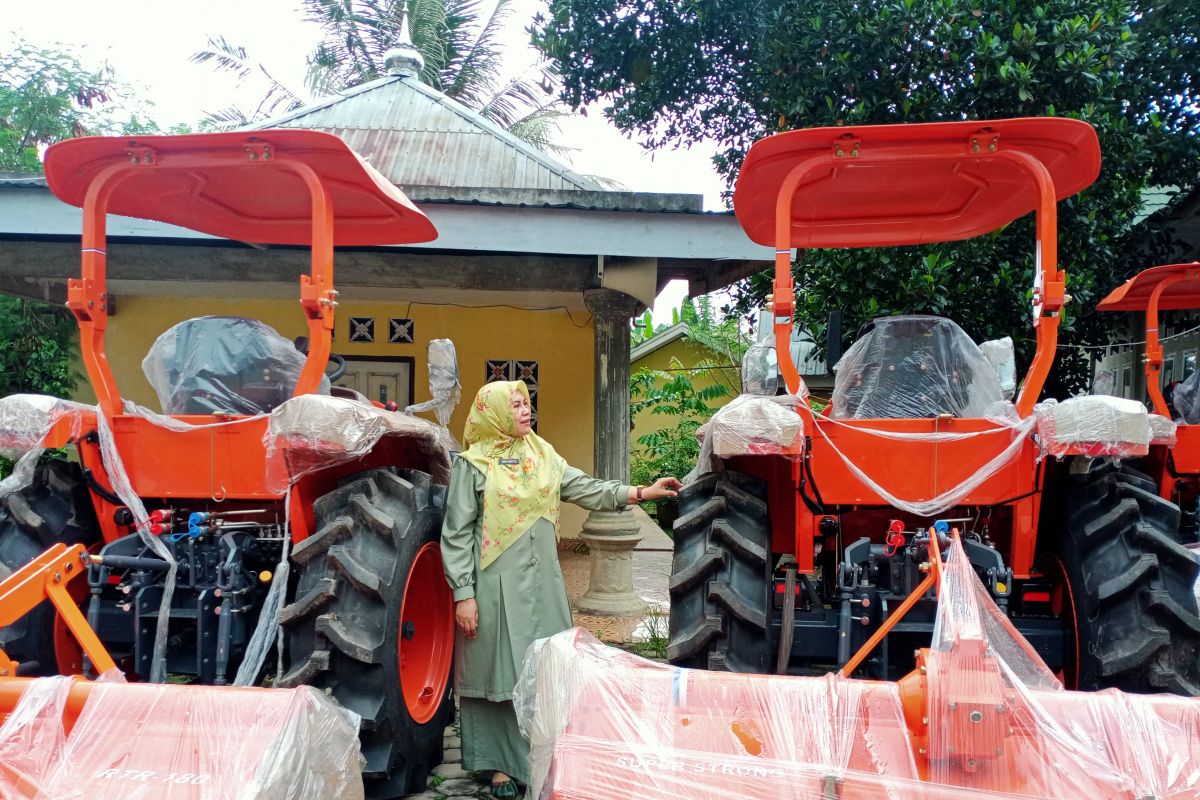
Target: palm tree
[460,47]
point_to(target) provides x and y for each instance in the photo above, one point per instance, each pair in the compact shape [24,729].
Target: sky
[148,46]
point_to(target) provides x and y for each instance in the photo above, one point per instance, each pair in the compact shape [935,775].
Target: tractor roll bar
[1049,290]
[88,299]
[280,187]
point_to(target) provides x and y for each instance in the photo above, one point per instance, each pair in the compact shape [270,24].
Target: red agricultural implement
[980,715]
[791,562]
[177,533]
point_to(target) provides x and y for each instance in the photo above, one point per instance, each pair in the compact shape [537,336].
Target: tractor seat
[913,367]
[223,365]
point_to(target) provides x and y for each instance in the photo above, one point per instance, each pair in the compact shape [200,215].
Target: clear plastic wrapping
[604,723]
[1094,425]
[913,367]
[313,432]
[26,420]
[1001,412]
[1000,721]
[1186,399]
[984,717]
[1162,430]
[167,742]
[32,738]
[1000,353]
[760,370]
[751,425]
[444,387]
[230,365]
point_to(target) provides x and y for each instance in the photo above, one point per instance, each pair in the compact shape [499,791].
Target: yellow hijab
[522,473]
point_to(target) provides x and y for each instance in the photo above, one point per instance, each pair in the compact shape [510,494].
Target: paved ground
[450,780]
[651,571]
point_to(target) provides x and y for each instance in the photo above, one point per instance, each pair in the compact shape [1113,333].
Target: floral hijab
[522,473]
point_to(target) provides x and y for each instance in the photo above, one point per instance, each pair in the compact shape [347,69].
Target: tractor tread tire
[55,507]
[1131,584]
[342,627]
[721,576]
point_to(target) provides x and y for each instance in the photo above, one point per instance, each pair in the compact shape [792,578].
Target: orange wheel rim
[1064,604]
[426,642]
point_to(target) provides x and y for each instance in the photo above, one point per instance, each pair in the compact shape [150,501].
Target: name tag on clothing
[509,462]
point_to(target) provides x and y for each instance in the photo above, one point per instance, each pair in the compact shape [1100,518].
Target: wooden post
[611,536]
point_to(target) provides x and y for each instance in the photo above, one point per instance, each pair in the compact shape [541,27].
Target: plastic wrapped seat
[223,365]
[914,367]
[1186,400]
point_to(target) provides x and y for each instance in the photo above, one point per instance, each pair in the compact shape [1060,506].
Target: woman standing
[498,546]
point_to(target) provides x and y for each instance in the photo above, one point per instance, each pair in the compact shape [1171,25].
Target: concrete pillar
[611,536]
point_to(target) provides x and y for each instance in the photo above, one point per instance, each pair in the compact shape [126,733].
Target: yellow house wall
[561,343]
[688,354]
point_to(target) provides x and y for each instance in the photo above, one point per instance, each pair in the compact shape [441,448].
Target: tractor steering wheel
[339,367]
[339,363]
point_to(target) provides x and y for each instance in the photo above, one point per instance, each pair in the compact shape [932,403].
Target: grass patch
[651,637]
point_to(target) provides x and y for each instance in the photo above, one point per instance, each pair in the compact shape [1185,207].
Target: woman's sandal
[505,790]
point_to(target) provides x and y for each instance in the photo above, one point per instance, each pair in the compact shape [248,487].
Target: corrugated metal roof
[417,136]
[1154,199]
[658,341]
[24,179]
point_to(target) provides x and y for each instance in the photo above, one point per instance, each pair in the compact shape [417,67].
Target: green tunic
[520,595]
[521,598]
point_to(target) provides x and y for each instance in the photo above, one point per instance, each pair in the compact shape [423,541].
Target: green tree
[39,345]
[710,331]
[719,333]
[643,329]
[734,71]
[673,450]
[460,45]
[37,356]
[46,96]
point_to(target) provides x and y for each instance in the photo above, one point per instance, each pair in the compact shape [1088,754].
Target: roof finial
[404,60]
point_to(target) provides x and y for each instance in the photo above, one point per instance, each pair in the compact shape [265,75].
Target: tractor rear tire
[350,632]
[721,576]
[1131,585]
[55,507]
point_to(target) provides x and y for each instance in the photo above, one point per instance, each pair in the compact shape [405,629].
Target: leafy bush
[672,450]
[37,358]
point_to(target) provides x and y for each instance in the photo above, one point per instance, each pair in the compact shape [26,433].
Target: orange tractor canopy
[1171,287]
[890,185]
[792,562]
[187,531]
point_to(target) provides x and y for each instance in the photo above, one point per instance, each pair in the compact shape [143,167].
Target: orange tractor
[169,531]
[816,557]
[1171,287]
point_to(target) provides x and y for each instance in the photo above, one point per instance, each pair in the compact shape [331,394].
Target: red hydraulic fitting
[895,538]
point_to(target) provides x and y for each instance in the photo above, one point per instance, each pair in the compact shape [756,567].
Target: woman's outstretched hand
[466,615]
[663,487]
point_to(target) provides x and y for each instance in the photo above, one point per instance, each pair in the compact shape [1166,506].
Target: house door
[382,380]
